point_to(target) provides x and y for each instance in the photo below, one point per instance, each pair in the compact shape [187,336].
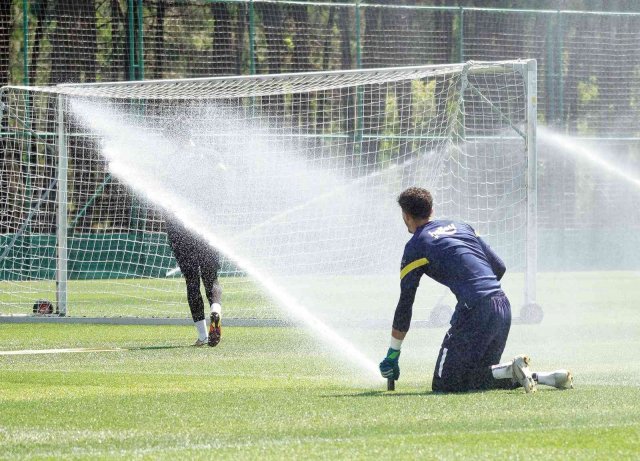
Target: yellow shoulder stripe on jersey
[413,265]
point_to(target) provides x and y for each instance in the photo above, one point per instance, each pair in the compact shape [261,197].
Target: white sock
[546,378]
[201,326]
[215,307]
[502,371]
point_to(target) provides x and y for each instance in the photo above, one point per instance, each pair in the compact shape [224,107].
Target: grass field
[243,297]
[275,393]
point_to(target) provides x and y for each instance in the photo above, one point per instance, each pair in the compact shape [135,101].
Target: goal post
[292,175]
[531,76]
[62,210]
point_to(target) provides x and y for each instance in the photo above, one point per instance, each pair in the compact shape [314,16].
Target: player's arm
[397,334]
[404,310]
[497,264]
[410,273]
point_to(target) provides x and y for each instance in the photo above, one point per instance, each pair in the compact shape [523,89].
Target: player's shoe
[563,379]
[215,330]
[200,343]
[522,374]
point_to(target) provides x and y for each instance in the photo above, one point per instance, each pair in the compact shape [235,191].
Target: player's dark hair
[417,202]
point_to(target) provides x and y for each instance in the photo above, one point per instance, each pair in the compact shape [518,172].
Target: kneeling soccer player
[196,260]
[452,254]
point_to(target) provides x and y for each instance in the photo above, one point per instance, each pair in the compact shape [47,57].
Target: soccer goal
[292,177]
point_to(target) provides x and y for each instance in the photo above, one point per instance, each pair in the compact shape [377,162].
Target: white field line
[61,351]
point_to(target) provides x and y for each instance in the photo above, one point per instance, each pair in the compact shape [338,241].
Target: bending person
[198,260]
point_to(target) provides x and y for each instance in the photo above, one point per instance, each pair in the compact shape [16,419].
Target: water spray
[578,149]
[122,142]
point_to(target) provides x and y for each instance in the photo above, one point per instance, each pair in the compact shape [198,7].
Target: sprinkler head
[391,384]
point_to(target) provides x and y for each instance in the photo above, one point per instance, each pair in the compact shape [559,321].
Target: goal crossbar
[221,87]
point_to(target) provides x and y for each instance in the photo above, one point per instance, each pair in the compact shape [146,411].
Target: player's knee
[451,381]
[448,386]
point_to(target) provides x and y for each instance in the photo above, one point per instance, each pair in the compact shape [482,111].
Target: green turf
[271,393]
[130,297]
[276,393]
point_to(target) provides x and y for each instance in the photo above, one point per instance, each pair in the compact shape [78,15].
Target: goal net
[292,177]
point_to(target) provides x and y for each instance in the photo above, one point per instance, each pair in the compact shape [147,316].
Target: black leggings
[196,260]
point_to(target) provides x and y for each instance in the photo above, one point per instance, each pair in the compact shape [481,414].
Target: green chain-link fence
[588,62]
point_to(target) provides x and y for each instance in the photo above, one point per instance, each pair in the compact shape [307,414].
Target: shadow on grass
[148,348]
[426,393]
[388,394]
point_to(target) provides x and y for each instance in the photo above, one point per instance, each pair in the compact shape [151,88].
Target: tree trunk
[223,46]
[394,23]
[6,161]
[242,19]
[372,95]
[326,50]
[326,46]
[158,38]
[347,97]
[73,59]
[6,23]
[90,61]
[39,10]
[273,27]
[76,25]
[301,63]
[119,49]
[444,23]
[302,49]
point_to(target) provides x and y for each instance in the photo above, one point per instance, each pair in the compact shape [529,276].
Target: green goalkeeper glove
[389,367]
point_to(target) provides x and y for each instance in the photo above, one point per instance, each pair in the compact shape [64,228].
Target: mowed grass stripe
[587,442]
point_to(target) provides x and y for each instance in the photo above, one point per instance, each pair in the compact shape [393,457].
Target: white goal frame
[527,69]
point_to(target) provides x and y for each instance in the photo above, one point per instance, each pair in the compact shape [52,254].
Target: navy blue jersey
[452,254]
